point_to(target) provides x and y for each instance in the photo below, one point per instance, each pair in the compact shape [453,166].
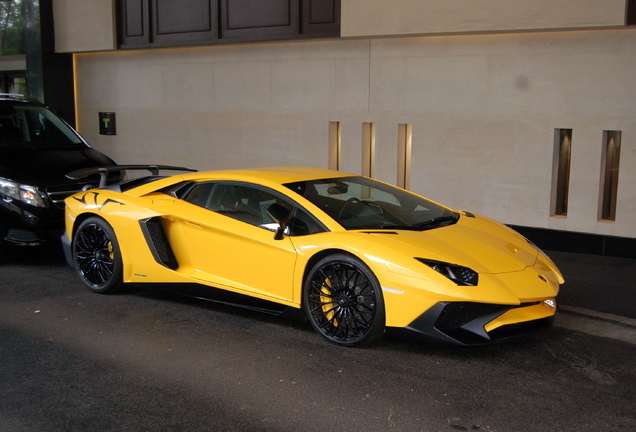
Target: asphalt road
[71,360]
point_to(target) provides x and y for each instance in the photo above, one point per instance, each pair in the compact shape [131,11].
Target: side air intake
[158,242]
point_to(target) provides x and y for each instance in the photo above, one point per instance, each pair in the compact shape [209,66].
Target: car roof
[276,175]
[11,98]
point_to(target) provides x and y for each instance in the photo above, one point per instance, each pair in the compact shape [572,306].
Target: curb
[597,323]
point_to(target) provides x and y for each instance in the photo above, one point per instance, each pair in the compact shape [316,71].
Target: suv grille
[22,236]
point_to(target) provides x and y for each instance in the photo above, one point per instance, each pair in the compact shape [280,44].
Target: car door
[230,240]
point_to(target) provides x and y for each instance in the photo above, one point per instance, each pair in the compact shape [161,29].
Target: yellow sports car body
[355,256]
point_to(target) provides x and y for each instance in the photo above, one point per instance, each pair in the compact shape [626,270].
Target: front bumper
[23,226]
[472,324]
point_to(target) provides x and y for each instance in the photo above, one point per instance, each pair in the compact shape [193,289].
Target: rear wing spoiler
[105,170]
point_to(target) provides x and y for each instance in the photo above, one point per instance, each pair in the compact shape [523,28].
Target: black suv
[37,149]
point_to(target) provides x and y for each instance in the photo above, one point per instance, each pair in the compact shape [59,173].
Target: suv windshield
[33,126]
[363,203]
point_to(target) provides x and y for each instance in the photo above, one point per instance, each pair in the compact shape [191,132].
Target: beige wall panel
[84,25]
[452,84]
[213,135]
[273,52]
[352,92]
[483,110]
[387,84]
[148,93]
[177,90]
[405,47]
[342,49]
[267,134]
[598,82]
[313,146]
[303,85]
[533,152]
[464,190]
[386,139]
[517,86]
[13,62]
[242,85]
[370,18]
[351,133]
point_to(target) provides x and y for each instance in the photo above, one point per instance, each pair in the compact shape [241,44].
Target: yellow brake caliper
[327,302]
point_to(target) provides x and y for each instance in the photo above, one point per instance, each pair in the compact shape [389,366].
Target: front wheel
[97,256]
[343,301]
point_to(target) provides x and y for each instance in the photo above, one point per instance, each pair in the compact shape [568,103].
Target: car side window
[199,194]
[249,204]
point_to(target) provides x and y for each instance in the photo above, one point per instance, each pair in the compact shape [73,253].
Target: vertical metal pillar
[49,74]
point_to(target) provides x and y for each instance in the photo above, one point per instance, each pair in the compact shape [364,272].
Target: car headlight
[20,192]
[461,275]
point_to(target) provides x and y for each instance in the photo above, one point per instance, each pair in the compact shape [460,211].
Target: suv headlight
[27,194]
[461,275]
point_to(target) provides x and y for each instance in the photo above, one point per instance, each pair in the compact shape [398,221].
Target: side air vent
[158,242]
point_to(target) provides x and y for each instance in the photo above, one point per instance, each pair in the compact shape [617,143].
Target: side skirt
[215,295]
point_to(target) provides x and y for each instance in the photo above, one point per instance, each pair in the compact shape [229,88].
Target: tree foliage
[11,27]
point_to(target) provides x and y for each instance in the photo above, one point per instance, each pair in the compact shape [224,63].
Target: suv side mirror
[281,216]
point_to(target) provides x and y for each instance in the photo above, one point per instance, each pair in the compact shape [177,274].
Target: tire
[97,256]
[343,301]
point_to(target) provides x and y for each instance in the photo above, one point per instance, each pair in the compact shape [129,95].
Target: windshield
[33,126]
[363,203]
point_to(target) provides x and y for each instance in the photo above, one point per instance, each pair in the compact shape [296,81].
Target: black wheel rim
[342,302]
[95,255]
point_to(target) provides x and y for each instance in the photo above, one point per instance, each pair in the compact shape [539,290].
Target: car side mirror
[281,216]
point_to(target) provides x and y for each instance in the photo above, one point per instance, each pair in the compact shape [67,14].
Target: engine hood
[477,242]
[47,166]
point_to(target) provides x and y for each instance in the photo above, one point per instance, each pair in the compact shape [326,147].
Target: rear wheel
[97,256]
[343,301]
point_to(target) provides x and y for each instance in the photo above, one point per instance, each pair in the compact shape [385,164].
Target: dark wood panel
[631,12]
[321,17]
[184,22]
[133,22]
[321,12]
[245,14]
[147,23]
[259,19]
[183,16]
[134,18]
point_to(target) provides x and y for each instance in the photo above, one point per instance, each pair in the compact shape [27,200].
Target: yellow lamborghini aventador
[355,256]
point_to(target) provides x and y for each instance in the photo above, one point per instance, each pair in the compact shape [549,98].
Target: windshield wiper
[436,221]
